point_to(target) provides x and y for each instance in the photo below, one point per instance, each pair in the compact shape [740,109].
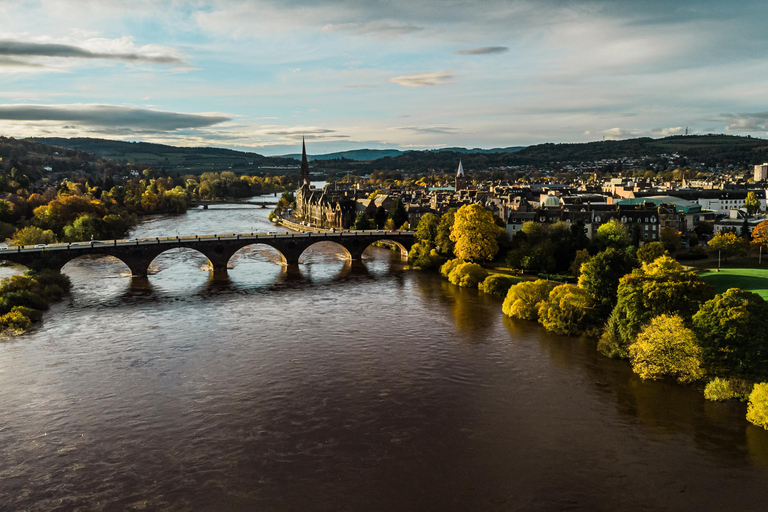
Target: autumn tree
[523,299]
[752,203]
[727,244]
[670,238]
[760,235]
[666,347]
[443,240]
[568,310]
[32,235]
[475,234]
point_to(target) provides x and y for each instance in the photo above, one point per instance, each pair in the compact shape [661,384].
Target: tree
[497,284]
[760,235]
[727,244]
[582,256]
[467,275]
[426,230]
[380,217]
[475,233]
[362,222]
[732,329]
[666,347]
[399,216]
[612,234]
[752,203]
[568,311]
[523,299]
[650,251]
[85,227]
[757,409]
[32,235]
[670,238]
[601,274]
[657,288]
[423,257]
[443,237]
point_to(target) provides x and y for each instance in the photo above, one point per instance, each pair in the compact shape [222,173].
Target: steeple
[461,181]
[304,165]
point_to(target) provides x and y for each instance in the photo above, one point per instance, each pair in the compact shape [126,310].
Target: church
[327,207]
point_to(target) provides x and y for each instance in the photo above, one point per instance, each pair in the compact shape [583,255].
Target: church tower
[304,180]
[461,180]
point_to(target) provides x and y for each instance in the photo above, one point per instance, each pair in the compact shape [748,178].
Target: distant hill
[364,155]
[168,157]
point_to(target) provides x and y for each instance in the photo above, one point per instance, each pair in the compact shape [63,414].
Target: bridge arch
[253,245]
[403,248]
[86,255]
[349,254]
[213,257]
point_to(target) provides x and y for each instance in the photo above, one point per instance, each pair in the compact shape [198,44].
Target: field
[750,279]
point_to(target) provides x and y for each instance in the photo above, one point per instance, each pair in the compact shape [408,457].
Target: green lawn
[750,279]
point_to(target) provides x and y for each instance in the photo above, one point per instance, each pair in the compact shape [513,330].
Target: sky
[259,75]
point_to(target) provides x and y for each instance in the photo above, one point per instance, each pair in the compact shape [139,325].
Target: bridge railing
[92,244]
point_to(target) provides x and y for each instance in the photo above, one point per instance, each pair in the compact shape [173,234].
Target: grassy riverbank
[750,279]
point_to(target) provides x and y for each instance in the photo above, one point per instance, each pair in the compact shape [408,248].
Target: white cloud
[423,79]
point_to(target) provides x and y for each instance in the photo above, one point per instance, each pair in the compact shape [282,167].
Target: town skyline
[259,75]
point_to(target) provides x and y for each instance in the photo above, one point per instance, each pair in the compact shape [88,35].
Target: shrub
[448,266]
[666,348]
[15,320]
[497,284]
[757,409]
[523,299]
[467,275]
[421,256]
[718,389]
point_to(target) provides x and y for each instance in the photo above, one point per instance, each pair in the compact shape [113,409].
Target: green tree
[612,234]
[423,257]
[523,299]
[670,238]
[399,216]
[362,222]
[732,329]
[568,311]
[426,231]
[660,287]
[650,251]
[443,240]
[582,256]
[752,203]
[666,347]
[475,233]
[380,217]
[601,274]
[757,409]
[85,227]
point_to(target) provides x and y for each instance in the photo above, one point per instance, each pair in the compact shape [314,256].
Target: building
[461,180]
[761,172]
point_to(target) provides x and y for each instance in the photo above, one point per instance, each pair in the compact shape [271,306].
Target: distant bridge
[138,254]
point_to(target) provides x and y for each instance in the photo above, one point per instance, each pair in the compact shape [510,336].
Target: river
[338,387]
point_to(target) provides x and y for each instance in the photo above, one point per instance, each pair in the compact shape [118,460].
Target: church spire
[461,181]
[304,165]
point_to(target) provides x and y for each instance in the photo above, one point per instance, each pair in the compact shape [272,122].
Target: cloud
[484,50]
[302,132]
[12,50]
[423,79]
[754,122]
[429,129]
[384,29]
[110,116]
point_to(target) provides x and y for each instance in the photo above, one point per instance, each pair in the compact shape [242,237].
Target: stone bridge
[138,254]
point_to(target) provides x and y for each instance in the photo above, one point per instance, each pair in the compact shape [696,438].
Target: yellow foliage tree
[666,347]
[757,410]
[524,299]
[475,233]
[760,234]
